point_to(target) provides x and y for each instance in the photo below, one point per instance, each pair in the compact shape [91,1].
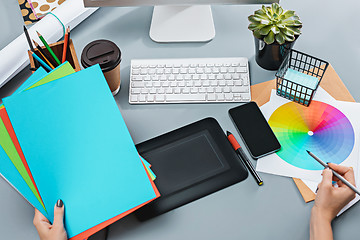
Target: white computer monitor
[178,20]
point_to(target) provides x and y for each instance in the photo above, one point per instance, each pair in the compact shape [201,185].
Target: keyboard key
[220,96]
[144,91]
[228,96]
[211,97]
[142,98]
[236,76]
[150,98]
[227,76]
[138,85]
[193,90]
[210,89]
[134,98]
[186,90]
[135,91]
[237,83]
[214,83]
[197,83]
[195,77]
[160,98]
[222,83]
[136,78]
[240,89]
[181,84]
[183,70]
[135,72]
[199,70]
[229,83]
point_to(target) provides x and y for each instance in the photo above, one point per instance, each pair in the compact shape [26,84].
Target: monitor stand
[182,24]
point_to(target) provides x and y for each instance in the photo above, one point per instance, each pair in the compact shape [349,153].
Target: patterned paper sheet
[27,12]
[42,7]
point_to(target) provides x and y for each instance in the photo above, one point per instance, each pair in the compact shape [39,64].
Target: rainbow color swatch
[319,128]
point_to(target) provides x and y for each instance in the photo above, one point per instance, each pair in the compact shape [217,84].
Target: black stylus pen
[243,157]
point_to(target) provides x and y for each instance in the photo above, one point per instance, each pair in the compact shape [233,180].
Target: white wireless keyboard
[189,80]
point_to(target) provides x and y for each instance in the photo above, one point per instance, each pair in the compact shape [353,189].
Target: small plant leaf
[275,29]
[289,38]
[257,34]
[276,9]
[265,30]
[261,13]
[296,30]
[265,9]
[292,23]
[270,38]
[265,22]
[253,26]
[289,13]
[252,19]
[287,32]
[280,38]
[260,17]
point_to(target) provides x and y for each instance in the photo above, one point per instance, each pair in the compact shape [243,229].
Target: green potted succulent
[275,31]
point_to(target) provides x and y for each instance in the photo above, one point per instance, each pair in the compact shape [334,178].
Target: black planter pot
[270,56]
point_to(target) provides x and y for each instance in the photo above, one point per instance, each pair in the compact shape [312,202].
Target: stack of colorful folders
[63,137]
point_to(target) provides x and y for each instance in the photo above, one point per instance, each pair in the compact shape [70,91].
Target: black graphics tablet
[190,162]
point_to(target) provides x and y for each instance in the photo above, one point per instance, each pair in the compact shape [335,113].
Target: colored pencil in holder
[65,46]
[44,64]
[45,56]
[48,48]
[30,45]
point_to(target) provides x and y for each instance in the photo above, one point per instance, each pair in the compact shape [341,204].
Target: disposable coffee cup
[108,56]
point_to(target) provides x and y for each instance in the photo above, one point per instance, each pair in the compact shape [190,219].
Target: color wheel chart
[319,128]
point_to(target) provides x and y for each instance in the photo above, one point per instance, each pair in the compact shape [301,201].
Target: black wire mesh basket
[299,76]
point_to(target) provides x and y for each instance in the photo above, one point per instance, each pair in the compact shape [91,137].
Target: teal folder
[78,149]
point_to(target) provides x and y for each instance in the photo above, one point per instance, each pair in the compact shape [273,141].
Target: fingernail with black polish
[59,203]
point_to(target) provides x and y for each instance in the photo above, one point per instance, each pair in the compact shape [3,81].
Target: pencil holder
[58,50]
[299,76]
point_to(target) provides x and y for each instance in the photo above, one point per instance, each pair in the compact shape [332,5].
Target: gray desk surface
[242,211]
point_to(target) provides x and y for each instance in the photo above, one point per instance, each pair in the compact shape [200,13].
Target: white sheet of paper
[275,165]
[15,56]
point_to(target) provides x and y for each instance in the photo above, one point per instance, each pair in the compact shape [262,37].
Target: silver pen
[335,173]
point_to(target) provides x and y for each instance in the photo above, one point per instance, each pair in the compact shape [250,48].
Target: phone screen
[254,130]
